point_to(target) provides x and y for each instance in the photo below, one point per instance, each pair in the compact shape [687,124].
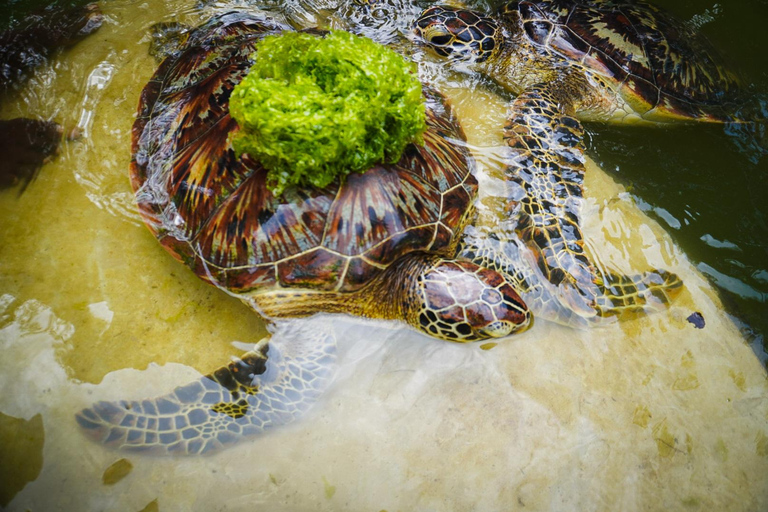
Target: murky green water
[708,184]
[647,414]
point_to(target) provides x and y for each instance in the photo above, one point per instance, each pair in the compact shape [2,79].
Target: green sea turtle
[572,60]
[382,244]
[599,59]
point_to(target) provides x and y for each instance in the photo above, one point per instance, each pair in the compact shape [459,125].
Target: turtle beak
[435,37]
[503,328]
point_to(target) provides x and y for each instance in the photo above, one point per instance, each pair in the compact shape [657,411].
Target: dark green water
[708,184]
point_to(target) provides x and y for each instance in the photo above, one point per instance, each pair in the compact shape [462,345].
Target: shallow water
[706,184]
[647,414]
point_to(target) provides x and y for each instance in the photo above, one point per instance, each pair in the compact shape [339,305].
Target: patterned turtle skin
[381,244]
[572,60]
[605,60]
[539,244]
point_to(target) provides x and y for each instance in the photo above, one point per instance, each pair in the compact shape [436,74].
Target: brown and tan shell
[213,211]
[656,58]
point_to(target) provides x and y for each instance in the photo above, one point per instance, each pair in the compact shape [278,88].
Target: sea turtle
[381,244]
[600,59]
[572,60]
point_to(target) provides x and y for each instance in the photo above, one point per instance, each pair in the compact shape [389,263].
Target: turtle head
[462,301]
[458,33]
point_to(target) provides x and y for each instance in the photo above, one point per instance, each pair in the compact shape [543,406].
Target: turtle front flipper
[640,292]
[546,177]
[271,385]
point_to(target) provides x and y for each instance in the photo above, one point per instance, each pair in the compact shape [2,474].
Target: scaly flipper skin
[548,167]
[546,176]
[271,385]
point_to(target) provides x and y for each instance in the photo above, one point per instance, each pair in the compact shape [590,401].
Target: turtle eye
[488,45]
[441,40]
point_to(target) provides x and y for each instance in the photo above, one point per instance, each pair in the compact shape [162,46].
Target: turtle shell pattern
[213,212]
[657,57]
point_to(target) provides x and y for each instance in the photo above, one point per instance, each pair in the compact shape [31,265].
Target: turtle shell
[213,211]
[657,59]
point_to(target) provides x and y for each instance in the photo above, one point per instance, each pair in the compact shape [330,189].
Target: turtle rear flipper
[271,385]
[167,38]
[547,177]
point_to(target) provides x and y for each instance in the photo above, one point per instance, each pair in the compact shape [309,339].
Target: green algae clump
[315,108]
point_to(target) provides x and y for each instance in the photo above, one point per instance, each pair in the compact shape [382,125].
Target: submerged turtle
[571,60]
[381,244]
[600,59]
